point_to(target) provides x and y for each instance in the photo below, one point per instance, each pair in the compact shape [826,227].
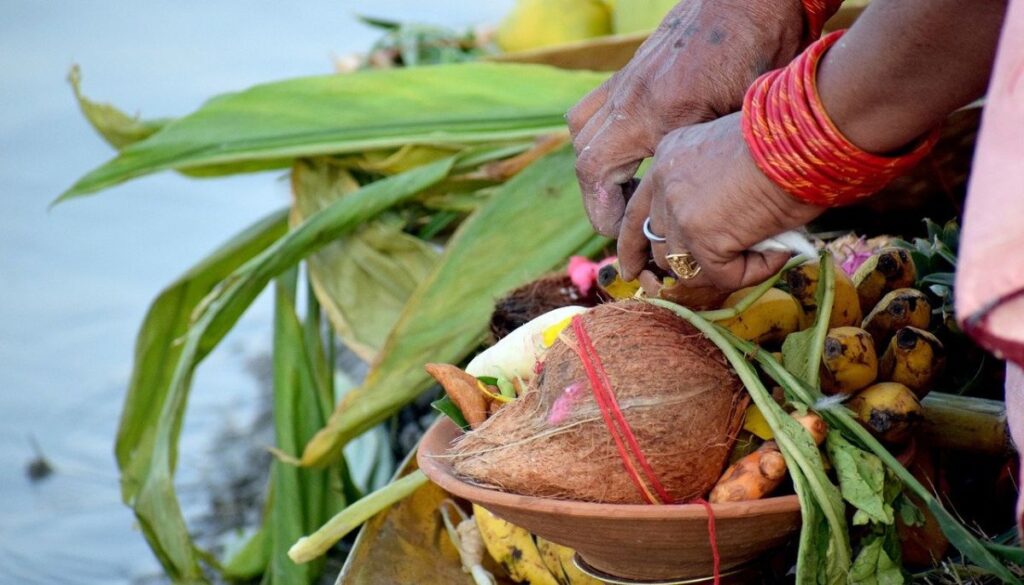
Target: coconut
[535,298]
[675,389]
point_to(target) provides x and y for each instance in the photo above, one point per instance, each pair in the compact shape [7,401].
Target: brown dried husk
[535,298]
[675,388]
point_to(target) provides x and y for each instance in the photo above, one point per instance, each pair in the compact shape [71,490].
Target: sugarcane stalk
[964,423]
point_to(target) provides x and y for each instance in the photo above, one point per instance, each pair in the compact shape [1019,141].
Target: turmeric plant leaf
[535,221]
[369,110]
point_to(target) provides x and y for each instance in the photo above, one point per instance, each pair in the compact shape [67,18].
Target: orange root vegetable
[751,478]
[464,390]
[814,424]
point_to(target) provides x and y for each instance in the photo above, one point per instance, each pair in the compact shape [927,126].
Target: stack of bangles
[795,143]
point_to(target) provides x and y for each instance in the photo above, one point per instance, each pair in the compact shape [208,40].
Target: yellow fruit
[770,319]
[533,24]
[513,547]
[610,281]
[913,358]
[903,307]
[849,360]
[887,270]
[803,285]
[558,560]
[888,410]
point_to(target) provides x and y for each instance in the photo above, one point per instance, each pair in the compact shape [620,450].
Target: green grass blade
[332,114]
[535,221]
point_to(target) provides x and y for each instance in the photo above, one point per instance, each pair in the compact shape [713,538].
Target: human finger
[633,246]
[579,115]
[740,269]
[608,160]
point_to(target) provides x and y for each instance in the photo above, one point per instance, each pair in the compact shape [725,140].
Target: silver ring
[651,235]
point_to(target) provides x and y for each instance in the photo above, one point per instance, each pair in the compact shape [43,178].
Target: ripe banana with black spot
[770,319]
[803,285]
[914,358]
[848,360]
[890,411]
[514,548]
[886,270]
[609,280]
[558,560]
[903,307]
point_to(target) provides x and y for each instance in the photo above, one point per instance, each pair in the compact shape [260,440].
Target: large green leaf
[535,221]
[364,279]
[157,347]
[463,103]
[116,127]
[156,352]
[155,502]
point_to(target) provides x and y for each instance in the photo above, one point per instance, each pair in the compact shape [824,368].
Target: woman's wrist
[904,67]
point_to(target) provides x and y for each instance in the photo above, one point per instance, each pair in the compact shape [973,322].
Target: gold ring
[683,264]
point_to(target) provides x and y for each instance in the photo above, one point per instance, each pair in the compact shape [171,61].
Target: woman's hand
[694,68]
[706,196]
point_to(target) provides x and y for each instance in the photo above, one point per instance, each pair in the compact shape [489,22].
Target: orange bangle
[797,146]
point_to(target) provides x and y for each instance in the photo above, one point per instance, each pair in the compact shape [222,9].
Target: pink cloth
[990,270]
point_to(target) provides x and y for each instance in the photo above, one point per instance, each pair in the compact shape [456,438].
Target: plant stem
[750,299]
[310,547]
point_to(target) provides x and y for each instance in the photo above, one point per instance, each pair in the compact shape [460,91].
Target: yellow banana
[558,560]
[513,547]
[900,308]
[610,281]
[887,270]
[913,358]
[849,360]
[770,319]
[888,410]
[803,285]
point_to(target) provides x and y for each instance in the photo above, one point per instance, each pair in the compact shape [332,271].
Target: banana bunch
[878,350]
[526,558]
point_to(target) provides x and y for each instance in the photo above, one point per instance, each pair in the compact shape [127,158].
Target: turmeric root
[751,478]
[464,390]
[814,424]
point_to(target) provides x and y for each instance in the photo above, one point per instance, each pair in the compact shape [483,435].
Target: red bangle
[797,146]
[817,13]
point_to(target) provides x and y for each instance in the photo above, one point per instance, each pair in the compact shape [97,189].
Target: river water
[75,281]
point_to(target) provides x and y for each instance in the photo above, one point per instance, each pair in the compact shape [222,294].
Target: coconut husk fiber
[535,298]
[675,389]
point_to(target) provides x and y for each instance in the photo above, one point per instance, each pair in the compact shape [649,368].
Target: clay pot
[630,541]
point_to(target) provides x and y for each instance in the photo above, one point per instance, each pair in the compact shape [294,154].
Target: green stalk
[310,547]
[798,454]
[751,298]
[966,542]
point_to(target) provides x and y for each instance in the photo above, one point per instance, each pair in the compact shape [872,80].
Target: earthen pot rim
[438,437]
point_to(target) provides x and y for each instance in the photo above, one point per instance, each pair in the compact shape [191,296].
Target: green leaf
[157,400]
[333,114]
[116,127]
[364,279]
[445,406]
[909,513]
[874,567]
[302,498]
[250,559]
[539,215]
[150,421]
[861,480]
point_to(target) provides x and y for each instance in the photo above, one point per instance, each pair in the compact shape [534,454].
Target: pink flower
[583,272]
